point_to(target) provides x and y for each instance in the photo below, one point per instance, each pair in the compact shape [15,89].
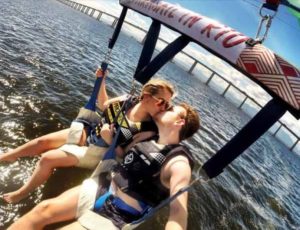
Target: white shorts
[92,221]
[87,197]
[88,156]
[90,187]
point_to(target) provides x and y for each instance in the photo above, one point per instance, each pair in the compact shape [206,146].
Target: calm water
[48,53]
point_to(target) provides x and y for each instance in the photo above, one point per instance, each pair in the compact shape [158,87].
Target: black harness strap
[162,58]
[149,46]
[255,128]
[118,28]
[114,38]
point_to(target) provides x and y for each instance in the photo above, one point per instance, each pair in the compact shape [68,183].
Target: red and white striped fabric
[273,72]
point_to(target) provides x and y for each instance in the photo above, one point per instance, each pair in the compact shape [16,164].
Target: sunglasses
[162,102]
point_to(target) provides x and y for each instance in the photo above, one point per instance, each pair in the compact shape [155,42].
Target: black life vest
[139,173]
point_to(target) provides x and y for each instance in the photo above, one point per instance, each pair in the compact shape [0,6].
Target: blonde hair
[156,85]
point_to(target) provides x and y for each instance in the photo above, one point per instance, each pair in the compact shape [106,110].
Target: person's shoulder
[177,164]
[183,151]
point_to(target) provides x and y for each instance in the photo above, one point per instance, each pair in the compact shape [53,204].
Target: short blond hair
[156,85]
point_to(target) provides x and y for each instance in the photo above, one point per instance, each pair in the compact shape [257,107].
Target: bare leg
[48,162]
[37,146]
[61,208]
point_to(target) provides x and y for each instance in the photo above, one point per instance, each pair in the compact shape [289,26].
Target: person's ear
[145,96]
[180,122]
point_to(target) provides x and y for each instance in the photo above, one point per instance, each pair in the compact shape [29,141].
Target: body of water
[48,55]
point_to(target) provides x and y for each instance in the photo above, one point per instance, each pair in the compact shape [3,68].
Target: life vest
[139,173]
[116,113]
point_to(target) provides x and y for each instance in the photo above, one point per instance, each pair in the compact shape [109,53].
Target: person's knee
[43,141]
[43,211]
[47,161]
[37,218]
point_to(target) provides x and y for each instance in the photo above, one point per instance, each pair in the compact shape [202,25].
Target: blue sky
[243,15]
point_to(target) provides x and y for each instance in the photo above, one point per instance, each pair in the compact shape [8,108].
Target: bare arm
[178,174]
[102,98]
[109,101]
[102,94]
[107,134]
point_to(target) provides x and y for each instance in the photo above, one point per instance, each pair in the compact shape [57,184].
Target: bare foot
[7,157]
[13,197]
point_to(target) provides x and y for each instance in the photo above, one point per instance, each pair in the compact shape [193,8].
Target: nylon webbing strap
[149,45]
[256,127]
[114,38]
[118,28]
[91,104]
[162,58]
[110,153]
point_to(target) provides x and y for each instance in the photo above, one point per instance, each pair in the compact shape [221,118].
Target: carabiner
[266,19]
